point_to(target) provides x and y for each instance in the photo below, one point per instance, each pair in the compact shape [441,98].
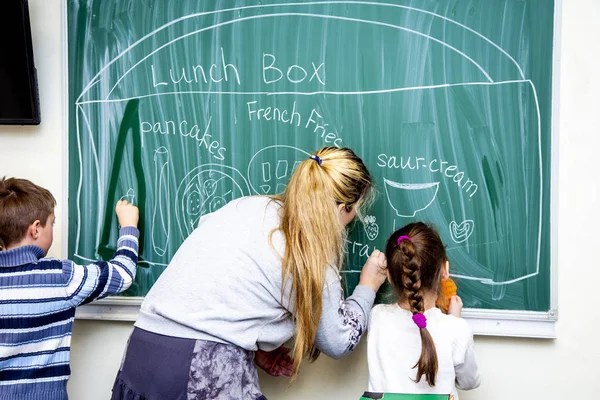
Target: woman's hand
[374,272]
[276,362]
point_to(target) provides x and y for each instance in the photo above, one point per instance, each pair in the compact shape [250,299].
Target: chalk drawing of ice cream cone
[407,199]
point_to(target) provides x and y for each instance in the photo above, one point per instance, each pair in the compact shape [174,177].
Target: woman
[254,274]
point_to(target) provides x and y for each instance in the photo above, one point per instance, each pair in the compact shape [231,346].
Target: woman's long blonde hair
[314,233]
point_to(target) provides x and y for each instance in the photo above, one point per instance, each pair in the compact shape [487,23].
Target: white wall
[512,368]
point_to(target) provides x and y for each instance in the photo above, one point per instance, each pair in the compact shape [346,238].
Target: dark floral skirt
[158,367]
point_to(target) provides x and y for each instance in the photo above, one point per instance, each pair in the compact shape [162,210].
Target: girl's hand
[374,272]
[455,307]
[127,213]
[276,362]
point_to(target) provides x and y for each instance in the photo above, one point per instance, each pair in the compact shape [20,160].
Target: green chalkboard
[182,106]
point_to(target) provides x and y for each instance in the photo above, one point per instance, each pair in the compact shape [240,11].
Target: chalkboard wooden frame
[505,323]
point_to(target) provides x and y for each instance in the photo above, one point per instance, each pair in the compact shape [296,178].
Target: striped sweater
[38,297]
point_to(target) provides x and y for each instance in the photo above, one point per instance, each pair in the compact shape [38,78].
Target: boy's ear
[33,230]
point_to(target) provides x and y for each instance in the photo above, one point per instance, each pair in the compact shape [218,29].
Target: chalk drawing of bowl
[407,199]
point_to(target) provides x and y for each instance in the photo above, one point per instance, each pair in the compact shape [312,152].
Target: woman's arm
[344,321]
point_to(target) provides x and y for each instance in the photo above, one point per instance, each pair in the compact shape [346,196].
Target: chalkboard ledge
[111,309]
[525,324]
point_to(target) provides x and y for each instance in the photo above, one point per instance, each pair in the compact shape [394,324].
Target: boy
[38,295]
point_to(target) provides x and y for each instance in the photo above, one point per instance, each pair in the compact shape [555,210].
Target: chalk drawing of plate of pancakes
[407,199]
[205,189]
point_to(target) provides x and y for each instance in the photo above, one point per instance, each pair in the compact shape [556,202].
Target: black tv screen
[19,101]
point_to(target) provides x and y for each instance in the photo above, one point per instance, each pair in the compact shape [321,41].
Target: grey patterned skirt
[158,367]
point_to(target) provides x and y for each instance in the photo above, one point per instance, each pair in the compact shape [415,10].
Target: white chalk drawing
[407,199]
[282,169]
[265,189]
[371,227]
[129,196]
[461,232]
[161,213]
[148,36]
[261,188]
[266,168]
[205,189]
[281,175]
[262,182]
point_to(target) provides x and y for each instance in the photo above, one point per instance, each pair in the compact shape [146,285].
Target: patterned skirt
[158,367]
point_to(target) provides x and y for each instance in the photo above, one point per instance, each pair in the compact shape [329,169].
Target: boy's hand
[455,307]
[127,213]
[374,272]
[276,362]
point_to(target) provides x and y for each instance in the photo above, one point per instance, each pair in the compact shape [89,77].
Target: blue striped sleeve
[104,278]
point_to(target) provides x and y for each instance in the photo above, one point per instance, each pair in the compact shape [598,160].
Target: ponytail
[314,234]
[411,284]
[415,256]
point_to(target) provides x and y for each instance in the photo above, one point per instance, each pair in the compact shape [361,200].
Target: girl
[413,347]
[254,274]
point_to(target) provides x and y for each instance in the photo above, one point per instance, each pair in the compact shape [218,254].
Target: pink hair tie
[404,237]
[420,320]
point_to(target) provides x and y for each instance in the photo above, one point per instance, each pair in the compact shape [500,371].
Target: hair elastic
[420,320]
[317,159]
[404,237]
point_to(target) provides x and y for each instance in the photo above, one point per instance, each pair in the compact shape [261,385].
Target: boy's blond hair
[21,204]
